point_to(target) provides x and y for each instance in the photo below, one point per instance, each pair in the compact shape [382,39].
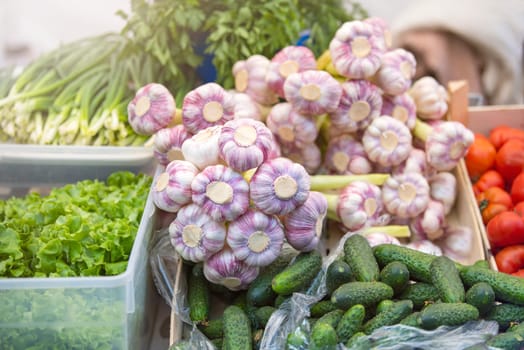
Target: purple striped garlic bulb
[168,144]
[415,163]
[396,71]
[360,205]
[279,186]
[195,235]
[309,156]
[381,28]
[406,195]
[356,50]
[246,107]
[290,127]
[425,246]
[250,78]
[432,221]
[430,97]
[376,238]
[171,189]
[313,92]
[202,148]
[401,107]
[152,109]
[225,269]
[304,225]
[207,105]
[289,60]
[222,193]
[345,155]
[245,143]
[387,141]
[360,104]
[443,188]
[256,238]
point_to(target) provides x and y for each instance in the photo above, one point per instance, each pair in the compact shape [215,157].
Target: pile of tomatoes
[495,166]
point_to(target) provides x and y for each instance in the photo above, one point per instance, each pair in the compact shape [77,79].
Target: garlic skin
[256,238]
[430,98]
[245,143]
[381,28]
[312,92]
[396,71]
[304,225]
[443,188]
[289,60]
[246,107]
[387,141]
[171,190]
[279,186]
[425,246]
[432,220]
[360,204]
[202,148]
[152,109]
[457,242]
[447,144]
[225,269]
[207,105]
[401,107]
[359,105]
[406,195]
[290,127]
[356,50]
[168,142]
[250,78]
[309,156]
[415,163]
[195,235]
[345,155]
[376,238]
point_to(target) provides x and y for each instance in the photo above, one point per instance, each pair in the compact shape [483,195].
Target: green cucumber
[181,345]
[280,299]
[299,274]
[392,315]
[321,307]
[384,305]
[446,278]
[411,319]
[217,343]
[507,288]
[417,262]
[359,256]
[323,337]
[332,318]
[420,293]
[237,329]
[365,293]
[263,314]
[448,314]
[337,273]
[350,323]
[297,339]
[396,275]
[214,328]
[359,340]
[482,296]
[512,339]
[506,315]
[198,295]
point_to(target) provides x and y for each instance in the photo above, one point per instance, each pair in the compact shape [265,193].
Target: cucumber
[350,323]
[512,339]
[321,307]
[359,340]
[420,293]
[506,315]
[263,314]
[365,293]
[411,319]
[280,299]
[392,315]
[237,329]
[214,328]
[507,288]
[417,262]
[198,295]
[217,343]
[449,314]
[299,274]
[446,278]
[384,305]
[297,339]
[181,345]
[332,318]
[481,296]
[337,273]
[396,275]
[359,256]
[323,337]
[482,264]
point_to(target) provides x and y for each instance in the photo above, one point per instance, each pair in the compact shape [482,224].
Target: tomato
[492,201]
[501,134]
[490,178]
[510,259]
[517,188]
[504,229]
[519,209]
[519,273]
[509,161]
[480,157]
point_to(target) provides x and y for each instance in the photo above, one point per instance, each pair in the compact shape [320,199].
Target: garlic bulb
[152,109]
[207,105]
[225,269]
[304,225]
[430,98]
[456,242]
[360,204]
[387,141]
[356,50]
[381,28]
[425,246]
[313,92]
[376,238]
[202,148]
[256,238]
[290,59]
[172,189]
[415,163]
[360,104]
[245,143]
[345,155]
[401,107]
[290,127]
[250,78]
[443,188]
[406,195]
[168,144]
[309,156]
[432,220]
[246,107]
[195,235]
[396,71]
[279,186]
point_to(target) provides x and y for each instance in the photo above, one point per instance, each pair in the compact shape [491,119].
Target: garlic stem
[334,182]
[398,231]
[422,130]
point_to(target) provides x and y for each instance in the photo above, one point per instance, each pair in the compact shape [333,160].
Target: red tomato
[517,188]
[519,209]
[510,259]
[490,178]
[519,273]
[480,157]
[504,229]
[492,201]
[509,161]
[501,134]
